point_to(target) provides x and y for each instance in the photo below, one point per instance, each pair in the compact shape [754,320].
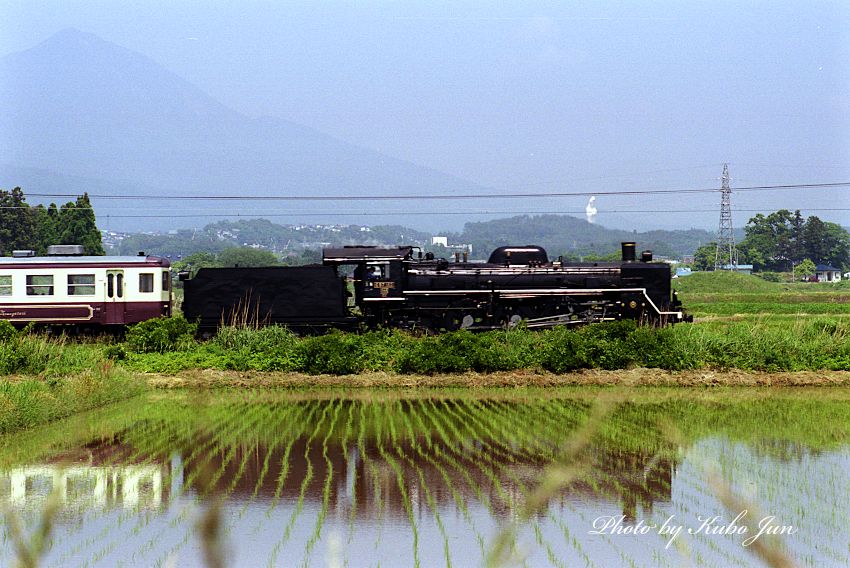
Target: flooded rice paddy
[558,477]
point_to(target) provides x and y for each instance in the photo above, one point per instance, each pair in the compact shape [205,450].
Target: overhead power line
[255,214]
[399,197]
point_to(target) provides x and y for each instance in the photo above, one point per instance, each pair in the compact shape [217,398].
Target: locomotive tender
[393,287]
[66,288]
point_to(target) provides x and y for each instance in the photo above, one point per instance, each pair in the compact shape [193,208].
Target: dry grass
[639,377]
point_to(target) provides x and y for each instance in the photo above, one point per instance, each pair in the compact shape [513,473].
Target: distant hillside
[559,235]
[283,239]
[570,236]
[80,113]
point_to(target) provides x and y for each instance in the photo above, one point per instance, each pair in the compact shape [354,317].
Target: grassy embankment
[710,295]
[743,324]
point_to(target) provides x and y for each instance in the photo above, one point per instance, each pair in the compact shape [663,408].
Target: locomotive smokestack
[628,251]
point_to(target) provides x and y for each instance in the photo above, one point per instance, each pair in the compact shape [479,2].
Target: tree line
[25,227]
[781,240]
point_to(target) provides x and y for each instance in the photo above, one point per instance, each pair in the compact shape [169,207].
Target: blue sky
[540,96]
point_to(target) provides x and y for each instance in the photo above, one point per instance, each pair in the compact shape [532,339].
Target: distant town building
[455,248]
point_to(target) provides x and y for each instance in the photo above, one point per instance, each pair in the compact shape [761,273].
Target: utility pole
[726,254]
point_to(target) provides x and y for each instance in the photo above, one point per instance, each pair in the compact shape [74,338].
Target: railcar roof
[25,260]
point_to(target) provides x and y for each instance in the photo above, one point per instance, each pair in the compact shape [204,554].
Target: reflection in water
[426,481]
[371,481]
[80,487]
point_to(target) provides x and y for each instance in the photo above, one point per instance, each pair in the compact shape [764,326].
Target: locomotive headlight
[632,304]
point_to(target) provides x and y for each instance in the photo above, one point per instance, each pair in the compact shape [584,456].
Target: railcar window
[166,280]
[81,284]
[6,285]
[119,285]
[110,285]
[39,285]
[146,282]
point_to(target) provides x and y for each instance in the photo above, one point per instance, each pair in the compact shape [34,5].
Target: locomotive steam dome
[529,254]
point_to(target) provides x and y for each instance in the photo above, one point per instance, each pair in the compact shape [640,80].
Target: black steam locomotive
[400,287]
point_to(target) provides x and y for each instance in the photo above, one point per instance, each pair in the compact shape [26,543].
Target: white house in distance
[826,273]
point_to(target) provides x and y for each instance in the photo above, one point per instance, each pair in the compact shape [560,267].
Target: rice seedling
[326,489]
[181,516]
[460,503]
[293,475]
[308,476]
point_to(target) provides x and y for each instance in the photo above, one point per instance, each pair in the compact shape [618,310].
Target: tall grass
[52,377]
[31,354]
[30,402]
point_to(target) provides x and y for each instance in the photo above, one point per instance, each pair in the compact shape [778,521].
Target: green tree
[247,257]
[17,222]
[704,256]
[826,242]
[798,237]
[77,226]
[805,269]
[46,226]
[771,240]
[815,236]
[837,245]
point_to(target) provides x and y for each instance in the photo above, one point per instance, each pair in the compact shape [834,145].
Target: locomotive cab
[377,279]
[379,273]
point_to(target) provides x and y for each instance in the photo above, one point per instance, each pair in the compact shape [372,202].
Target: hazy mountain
[82,113]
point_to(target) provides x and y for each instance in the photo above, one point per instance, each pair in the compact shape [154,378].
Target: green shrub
[614,345]
[453,352]
[673,350]
[606,345]
[563,351]
[383,350]
[115,352]
[334,354]
[161,334]
[507,350]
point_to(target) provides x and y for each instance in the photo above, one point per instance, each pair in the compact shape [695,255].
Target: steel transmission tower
[726,255]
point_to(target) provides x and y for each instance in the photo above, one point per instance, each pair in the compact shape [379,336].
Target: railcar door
[115,292]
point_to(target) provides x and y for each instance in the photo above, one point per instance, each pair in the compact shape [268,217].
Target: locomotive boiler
[399,287]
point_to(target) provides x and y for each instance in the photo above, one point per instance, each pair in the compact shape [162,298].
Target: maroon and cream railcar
[84,290]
